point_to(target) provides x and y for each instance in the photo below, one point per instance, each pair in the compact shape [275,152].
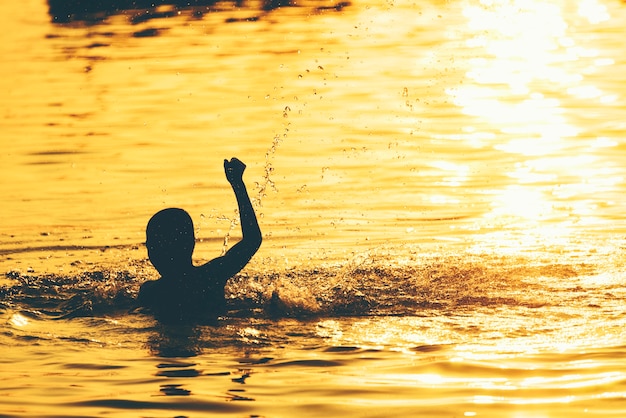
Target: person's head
[170,240]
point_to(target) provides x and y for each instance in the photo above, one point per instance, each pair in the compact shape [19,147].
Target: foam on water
[382,281]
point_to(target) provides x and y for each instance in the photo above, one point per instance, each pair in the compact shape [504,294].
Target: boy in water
[186,291]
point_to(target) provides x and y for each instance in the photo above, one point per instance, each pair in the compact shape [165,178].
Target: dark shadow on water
[178,349]
[175,341]
[94,11]
[65,248]
[130,405]
[97,11]
[174,345]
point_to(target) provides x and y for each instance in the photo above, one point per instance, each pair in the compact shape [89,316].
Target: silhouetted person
[185,291]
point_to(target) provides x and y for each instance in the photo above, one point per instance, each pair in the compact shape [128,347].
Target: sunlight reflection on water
[476,125]
[519,76]
[457,167]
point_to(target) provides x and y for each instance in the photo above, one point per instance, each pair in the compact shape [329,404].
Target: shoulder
[213,274]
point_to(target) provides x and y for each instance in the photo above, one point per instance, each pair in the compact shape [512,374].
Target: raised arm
[238,256]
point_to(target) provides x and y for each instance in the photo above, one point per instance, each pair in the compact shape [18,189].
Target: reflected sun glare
[525,77]
[18,320]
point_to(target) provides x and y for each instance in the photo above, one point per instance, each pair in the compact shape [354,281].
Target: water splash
[234,221]
[262,186]
[268,169]
[382,281]
[54,296]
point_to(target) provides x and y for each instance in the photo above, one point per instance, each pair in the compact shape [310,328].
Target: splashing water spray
[264,184]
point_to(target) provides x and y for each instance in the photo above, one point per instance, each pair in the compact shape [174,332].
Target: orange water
[472,151]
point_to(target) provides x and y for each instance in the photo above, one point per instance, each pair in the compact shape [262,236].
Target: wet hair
[169,237]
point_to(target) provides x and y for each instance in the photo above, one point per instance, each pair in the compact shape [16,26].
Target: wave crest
[374,284]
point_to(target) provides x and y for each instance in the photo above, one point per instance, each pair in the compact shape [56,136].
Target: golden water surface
[471,130]
[494,122]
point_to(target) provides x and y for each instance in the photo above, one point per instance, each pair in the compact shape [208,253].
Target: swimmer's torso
[185,298]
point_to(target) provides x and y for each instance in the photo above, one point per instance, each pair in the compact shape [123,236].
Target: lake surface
[439,185]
